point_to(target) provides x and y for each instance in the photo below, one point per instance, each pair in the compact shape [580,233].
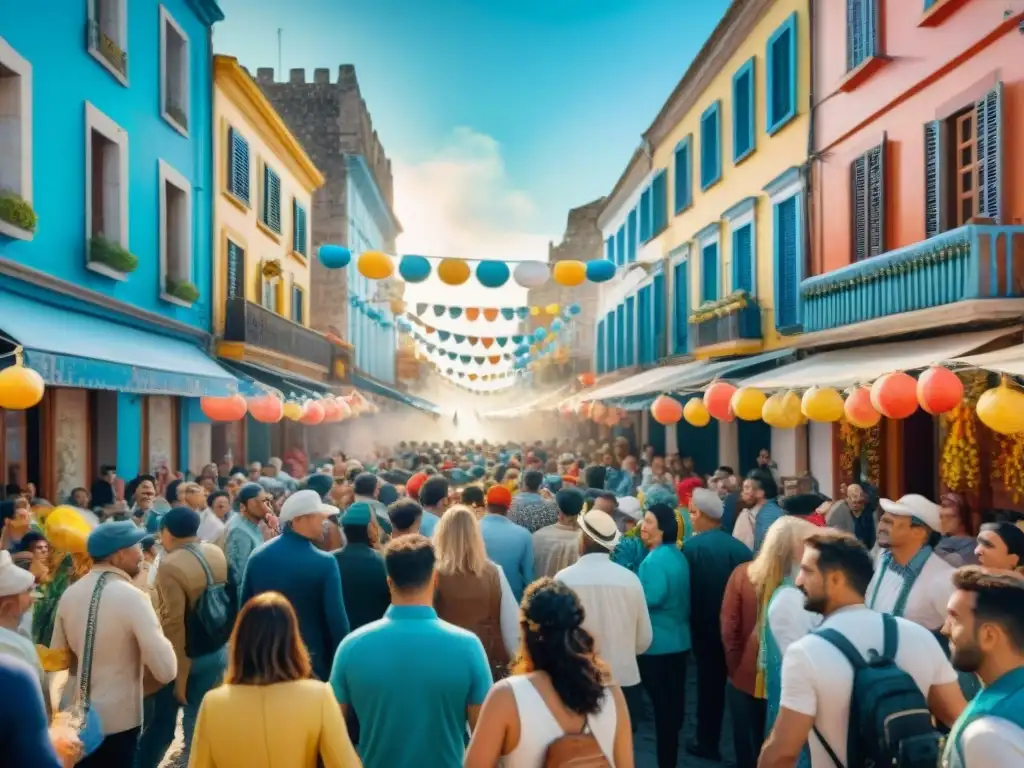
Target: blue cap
[387,494]
[478,471]
[108,538]
[359,513]
[181,522]
[248,492]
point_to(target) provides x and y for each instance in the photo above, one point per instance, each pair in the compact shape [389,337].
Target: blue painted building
[105,268]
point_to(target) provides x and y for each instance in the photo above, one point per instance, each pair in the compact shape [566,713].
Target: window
[743,111]
[298,305]
[861,32]
[645,215]
[609,249]
[743,258]
[963,165]
[683,176]
[16,137]
[600,349]
[620,245]
[631,324]
[106,172]
[108,36]
[620,337]
[709,272]
[238,166]
[270,211]
[269,288]
[174,73]
[300,235]
[787,263]
[680,301]
[659,204]
[710,146]
[631,237]
[175,234]
[609,322]
[235,271]
[782,83]
[867,195]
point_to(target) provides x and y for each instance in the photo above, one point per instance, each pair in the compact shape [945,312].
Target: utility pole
[280,72]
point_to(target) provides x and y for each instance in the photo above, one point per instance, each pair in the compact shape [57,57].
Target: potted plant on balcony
[17,212]
[182,290]
[112,255]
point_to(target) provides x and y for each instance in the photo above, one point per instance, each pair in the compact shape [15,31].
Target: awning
[370,385]
[73,349]
[842,368]
[643,382]
[545,402]
[1009,361]
[289,384]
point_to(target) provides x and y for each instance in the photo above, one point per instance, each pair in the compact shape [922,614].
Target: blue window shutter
[609,249]
[659,204]
[861,32]
[645,215]
[710,146]
[238,166]
[631,235]
[934,199]
[782,76]
[681,306]
[620,337]
[631,325]
[659,316]
[600,351]
[297,304]
[298,228]
[643,323]
[709,272]
[743,259]
[743,112]
[620,245]
[787,266]
[683,176]
[271,199]
[609,322]
[988,114]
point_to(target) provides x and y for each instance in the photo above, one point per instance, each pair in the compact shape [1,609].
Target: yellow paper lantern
[793,414]
[822,404]
[552,309]
[695,413]
[747,403]
[569,273]
[375,265]
[292,411]
[453,271]
[1002,409]
[67,529]
[534,311]
[20,387]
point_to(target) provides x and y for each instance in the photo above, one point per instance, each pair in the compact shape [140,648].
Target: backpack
[208,626]
[576,750]
[890,724]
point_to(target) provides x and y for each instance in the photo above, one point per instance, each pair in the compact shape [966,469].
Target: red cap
[499,496]
[415,483]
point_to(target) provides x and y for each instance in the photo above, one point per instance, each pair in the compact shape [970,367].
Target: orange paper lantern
[230,408]
[587,379]
[313,413]
[266,409]
[894,395]
[583,409]
[717,399]
[939,390]
[666,410]
[598,411]
[859,411]
[332,411]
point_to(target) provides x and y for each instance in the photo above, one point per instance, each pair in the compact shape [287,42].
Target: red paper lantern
[894,395]
[939,390]
[859,411]
[266,409]
[587,379]
[230,408]
[332,411]
[666,410]
[583,409]
[313,413]
[344,410]
[717,399]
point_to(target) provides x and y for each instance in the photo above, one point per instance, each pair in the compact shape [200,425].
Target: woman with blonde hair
[269,711]
[472,592]
[781,617]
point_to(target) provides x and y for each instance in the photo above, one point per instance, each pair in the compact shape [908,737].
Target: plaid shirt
[533,511]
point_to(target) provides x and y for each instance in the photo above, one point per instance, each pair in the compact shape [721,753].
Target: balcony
[729,326]
[973,262]
[256,326]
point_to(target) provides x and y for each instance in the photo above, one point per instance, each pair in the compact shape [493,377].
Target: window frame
[121,42]
[684,147]
[21,158]
[748,69]
[863,196]
[870,31]
[680,257]
[167,20]
[774,126]
[95,120]
[266,226]
[714,110]
[170,175]
[297,290]
[244,203]
[276,284]
[743,214]
[657,227]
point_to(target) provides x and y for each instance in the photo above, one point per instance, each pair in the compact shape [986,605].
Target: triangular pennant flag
[487,343]
[462,374]
[449,371]
[421,308]
[431,348]
[478,360]
[517,339]
[452,355]
[490,315]
[472,313]
[494,359]
[465,358]
[472,377]
[502,340]
[508,313]
[428,329]
[459,338]
[454,312]
[444,335]
[522,312]
[439,309]
[472,340]
[507,356]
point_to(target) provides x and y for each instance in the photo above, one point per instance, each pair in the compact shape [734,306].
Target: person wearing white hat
[910,580]
[614,603]
[16,590]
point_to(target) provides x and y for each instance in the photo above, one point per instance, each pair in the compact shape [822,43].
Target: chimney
[265,75]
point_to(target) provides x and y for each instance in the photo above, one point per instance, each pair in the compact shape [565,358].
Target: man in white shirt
[817,679]
[985,627]
[911,581]
[614,603]
[556,547]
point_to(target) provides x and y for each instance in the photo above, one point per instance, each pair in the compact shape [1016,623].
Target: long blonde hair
[778,554]
[458,543]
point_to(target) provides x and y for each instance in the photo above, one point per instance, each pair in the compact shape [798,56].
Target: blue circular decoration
[335,256]
[600,270]
[492,274]
[353,301]
[373,314]
[414,269]
[539,334]
[574,309]
[556,324]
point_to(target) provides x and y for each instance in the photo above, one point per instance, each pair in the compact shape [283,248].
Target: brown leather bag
[576,750]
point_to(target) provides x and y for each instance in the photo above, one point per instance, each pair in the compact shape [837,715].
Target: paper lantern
[695,413]
[583,410]
[332,411]
[575,309]
[1002,409]
[666,410]
[313,413]
[374,265]
[747,403]
[344,411]
[894,395]
[613,417]
[21,387]
[569,273]
[782,410]
[859,411]
[822,404]
[230,408]
[67,529]
[597,411]
[266,409]
[334,256]
[552,309]
[587,379]
[600,270]
[540,334]
[939,390]
[717,400]
[531,274]
[453,271]
[492,274]
[292,411]
[414,269]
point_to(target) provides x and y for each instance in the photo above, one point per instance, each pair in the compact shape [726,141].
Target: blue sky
[499,115]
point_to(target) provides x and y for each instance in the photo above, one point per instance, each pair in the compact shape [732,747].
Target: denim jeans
[160,711]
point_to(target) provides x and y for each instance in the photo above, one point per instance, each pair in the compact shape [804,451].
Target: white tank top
[538,728]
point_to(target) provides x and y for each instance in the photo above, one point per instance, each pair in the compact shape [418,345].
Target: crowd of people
[518,605]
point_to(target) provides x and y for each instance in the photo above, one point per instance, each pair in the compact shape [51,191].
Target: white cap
[914,505]
[707,503]
[630,505]
[599,527]
[305,502]
[13,580]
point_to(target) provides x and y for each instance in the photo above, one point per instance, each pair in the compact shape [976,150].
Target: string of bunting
[491,314]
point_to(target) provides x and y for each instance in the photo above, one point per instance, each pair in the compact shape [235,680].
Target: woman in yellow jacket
[269,713]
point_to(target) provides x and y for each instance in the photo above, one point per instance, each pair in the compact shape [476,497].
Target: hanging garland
[857,444]
[960,465]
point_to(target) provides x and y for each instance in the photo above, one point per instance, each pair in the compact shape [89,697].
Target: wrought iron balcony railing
[252,324]
[739,324]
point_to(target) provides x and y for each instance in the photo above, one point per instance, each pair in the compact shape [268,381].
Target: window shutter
[659,316]
[989,117]
[933,187]
[683,180]
[238,167]
[681,304]
[620,337]
[631,331]
[742,261]
[299,222]
[861,32]
[609,322]
[876,200]
[235,283]
[709,272]
[609,249]
[787,269]
[274,195]
[710,147]
[659,203]
[643,323]
[599,351]
[743,114]
[858,197]
[631,234]
[780,103]
[645,215]
[620,245]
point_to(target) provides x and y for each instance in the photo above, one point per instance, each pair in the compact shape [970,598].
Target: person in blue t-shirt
[412,680]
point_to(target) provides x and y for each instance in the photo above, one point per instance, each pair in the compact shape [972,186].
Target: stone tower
[331,121]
